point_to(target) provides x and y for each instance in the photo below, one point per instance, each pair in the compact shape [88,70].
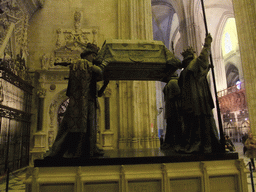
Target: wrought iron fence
[15,108]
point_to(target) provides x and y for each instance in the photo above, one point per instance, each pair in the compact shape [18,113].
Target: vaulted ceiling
[166,24]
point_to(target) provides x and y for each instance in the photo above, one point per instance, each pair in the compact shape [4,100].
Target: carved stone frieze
[23,39]
[54,76]
[13,20]
[10,8]
[70,43]
[30,6]
[4,24]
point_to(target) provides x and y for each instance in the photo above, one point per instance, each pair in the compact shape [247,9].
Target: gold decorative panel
[57,188]
[101,187]
[188,185]
[225,183]
[149,186]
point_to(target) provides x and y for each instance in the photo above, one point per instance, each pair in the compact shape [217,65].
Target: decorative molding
[58,75]
[70,43]
[29,7]
[13,20]
[41,92]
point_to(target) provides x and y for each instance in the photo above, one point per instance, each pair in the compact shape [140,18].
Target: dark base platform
[134,156]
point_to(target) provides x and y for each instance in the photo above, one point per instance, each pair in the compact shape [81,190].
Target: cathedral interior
[35,34]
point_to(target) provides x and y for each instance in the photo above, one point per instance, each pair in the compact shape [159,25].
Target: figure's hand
[208,39]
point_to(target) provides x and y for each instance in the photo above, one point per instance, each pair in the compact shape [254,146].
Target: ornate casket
[137,60]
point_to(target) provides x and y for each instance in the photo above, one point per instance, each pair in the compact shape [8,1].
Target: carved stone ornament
[52,111]
[41,92]
[4,24]
[13,27]
[77,18]
[50,138]
[23,39]
[70,43]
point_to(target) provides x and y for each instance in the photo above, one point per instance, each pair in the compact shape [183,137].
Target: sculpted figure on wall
[77,18]
[44,62]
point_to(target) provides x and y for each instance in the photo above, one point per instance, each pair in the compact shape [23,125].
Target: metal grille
[15,107]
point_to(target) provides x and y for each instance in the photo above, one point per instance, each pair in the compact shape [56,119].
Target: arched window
[228,43]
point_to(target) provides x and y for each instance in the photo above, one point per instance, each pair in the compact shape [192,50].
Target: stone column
[41,95]
[39,136]
[246,29]
[190,30]
[107,134]
[137,103]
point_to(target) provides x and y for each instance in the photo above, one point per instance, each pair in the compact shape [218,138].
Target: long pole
[222,140]
[251,175]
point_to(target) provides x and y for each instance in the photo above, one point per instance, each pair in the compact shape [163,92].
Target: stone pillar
[245,22]
[107,134]
[41,94]
[137,103]
[39,136]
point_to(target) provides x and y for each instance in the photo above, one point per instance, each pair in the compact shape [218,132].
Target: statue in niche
[200,132]
[58,42]
[173,136]
[51,61]
[44,62]
[51,112]
[77,18]
[20,66]
[76,136]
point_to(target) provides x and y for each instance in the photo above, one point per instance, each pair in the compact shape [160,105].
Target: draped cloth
[76,134]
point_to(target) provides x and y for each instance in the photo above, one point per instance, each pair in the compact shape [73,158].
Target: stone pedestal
[137,174]
[108,137]
[39,146]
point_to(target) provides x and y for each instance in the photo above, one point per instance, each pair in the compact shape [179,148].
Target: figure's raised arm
[204,55]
